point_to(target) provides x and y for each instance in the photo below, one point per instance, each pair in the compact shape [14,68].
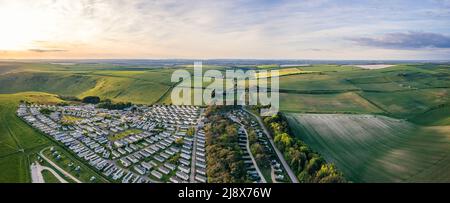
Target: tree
[304,177]
[179,141]
[224,159]
[252,138]
[307,164]
[91,100]
[190,131]
[45,111]
[258,152]
[329,174]
[314,164]
[174,159]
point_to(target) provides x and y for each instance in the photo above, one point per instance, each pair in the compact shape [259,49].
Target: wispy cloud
[408,40]
[46,50]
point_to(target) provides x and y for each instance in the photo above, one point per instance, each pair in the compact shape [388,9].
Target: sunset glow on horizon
[322,29]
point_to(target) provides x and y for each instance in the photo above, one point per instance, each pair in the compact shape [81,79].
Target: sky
[213,29]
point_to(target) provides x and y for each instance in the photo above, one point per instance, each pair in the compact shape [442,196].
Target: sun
[20,27]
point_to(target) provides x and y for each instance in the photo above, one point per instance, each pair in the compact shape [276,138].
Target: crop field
[326,103]
[328,68]
[405,104]
[370,148]
[313,82]
[435,117]
[370,67]
[283,72]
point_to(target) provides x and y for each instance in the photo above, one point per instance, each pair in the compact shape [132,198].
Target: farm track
[374,104]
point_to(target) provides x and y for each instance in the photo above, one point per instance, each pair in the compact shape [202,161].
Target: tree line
[309,166]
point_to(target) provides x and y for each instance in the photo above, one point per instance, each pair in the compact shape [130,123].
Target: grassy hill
[143,87]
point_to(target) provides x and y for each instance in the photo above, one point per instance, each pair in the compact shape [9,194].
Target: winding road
[57,167]
[288,169]
[194,150]
[36,173]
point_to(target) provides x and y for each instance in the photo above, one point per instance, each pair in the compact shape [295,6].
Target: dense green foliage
[223,153]
[258,151]
[45,111]
[108,104]
[308,165]
[91,100]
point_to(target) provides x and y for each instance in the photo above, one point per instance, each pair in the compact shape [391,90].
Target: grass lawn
[85,172]
[70,119]
[49,177]
[124,134]
[15,169]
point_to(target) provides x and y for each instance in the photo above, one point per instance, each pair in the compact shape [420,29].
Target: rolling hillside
[411,147]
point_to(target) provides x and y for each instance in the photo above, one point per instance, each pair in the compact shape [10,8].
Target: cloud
[47,50]
[408,40]
[223,29]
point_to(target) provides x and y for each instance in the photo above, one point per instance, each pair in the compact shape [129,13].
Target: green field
[415,93]
[434,117]
[17,140]
[349,102]
[85,172]
[371,148]
[49,177]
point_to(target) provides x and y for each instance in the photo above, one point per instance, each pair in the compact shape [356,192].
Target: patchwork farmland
[372,148]
[365,148]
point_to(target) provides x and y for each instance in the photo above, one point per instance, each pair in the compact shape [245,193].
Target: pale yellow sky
[307,29]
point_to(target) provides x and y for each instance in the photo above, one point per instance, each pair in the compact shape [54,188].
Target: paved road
[263,179]
[272,175]
[288,169]
[194,150]
[36,173]
[57,167]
